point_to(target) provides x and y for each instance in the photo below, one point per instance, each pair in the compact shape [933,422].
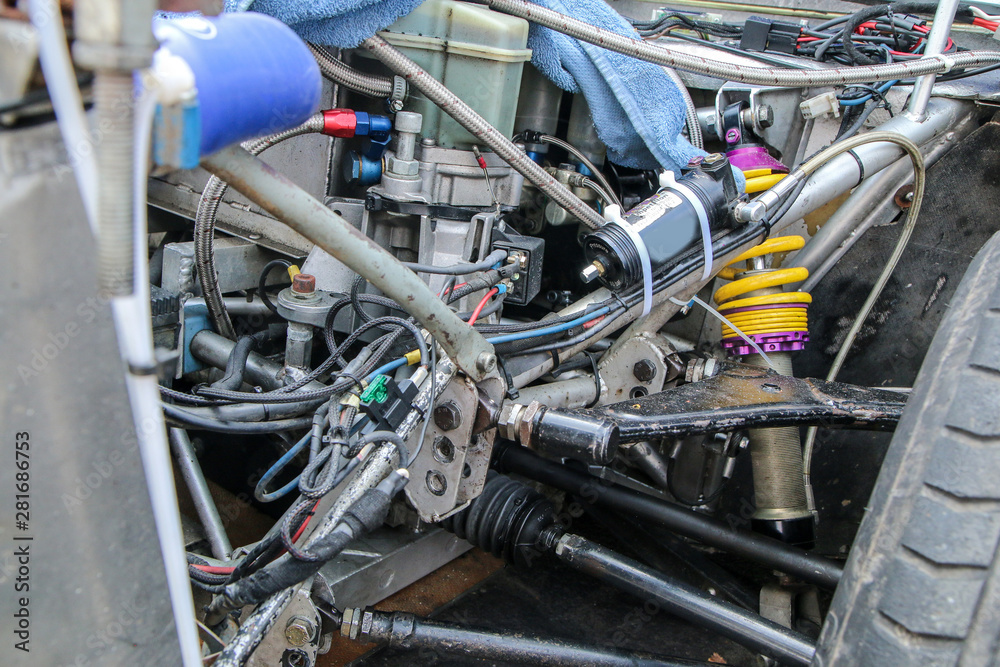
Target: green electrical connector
[376,391]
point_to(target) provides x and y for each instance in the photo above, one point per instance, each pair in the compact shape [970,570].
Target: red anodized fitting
[339,123]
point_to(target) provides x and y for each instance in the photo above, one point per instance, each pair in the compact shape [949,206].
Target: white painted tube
[60,78]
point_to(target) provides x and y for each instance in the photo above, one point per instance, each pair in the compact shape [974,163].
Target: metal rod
[935,44]
[686,601]
[780,556]
[293,206]
[406,631]
[183,451]
[845,171]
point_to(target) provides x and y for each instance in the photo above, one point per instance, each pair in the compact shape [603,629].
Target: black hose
[189,420]
[236,364]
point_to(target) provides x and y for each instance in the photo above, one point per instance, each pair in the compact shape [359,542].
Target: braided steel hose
[204,227]
[337,71]
[759,76]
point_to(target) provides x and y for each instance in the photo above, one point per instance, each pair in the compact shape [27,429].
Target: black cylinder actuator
[663,226]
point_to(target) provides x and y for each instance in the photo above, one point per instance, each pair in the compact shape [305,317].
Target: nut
[510,415]
[299,631]
[525,425]
[765,116]
[644,370]
[448,416]
[402,167]
[303,283]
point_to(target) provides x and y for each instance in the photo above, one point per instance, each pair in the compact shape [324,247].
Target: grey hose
[761,76]
[338,72]
[204,228]
[691,111]
[459,269]
[437,93]
[116,237]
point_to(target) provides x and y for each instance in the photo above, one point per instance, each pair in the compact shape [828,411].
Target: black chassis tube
[406,631]
[691,603]
[511,458]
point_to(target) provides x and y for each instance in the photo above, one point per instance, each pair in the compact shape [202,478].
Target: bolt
[712,158]
[644,370]
[303,283]
[299,631]
[765,116]
[427,142]
[447,416]
[395,106]
[486,362]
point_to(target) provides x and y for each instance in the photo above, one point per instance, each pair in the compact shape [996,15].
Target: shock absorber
[777,321]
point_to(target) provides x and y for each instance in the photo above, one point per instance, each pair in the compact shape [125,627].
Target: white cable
[135,339]
[722,318]
[983,15]
[60,78]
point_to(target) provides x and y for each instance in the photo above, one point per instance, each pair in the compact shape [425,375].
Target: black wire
[262,282]
[182,416]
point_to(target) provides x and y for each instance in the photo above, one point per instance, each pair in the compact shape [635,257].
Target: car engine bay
[635,290]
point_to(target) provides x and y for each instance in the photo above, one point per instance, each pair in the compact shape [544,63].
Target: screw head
[765,116]
[486,362]
[299,631]
[447,416]
[304,283]
[644,370]
[395,106]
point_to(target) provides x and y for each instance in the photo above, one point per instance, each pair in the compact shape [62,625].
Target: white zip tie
[613,213]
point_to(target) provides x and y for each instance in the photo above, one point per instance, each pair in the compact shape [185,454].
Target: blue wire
[864,100]
[506,338]
[545,331]
[391,366]
[274,470]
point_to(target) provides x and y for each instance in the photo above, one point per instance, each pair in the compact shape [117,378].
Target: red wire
[215,569]
[587,325]
[448,289]
[482,304]
[302,528]
[984,23]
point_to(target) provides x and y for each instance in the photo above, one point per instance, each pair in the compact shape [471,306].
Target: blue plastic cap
[254,75]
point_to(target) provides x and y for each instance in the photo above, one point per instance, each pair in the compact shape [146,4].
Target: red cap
[303,283]
[339,123]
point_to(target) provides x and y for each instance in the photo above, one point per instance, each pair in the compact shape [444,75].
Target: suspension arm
[740,396]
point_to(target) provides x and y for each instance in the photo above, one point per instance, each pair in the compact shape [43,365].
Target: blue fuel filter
[254,75]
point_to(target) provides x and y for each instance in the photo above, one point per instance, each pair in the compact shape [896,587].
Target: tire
[922,582]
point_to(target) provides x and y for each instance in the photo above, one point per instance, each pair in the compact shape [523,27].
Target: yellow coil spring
[773,317]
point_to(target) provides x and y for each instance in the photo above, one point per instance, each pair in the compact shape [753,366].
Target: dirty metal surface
[742,396]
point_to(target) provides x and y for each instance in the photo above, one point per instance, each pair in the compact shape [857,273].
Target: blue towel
[637,109]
